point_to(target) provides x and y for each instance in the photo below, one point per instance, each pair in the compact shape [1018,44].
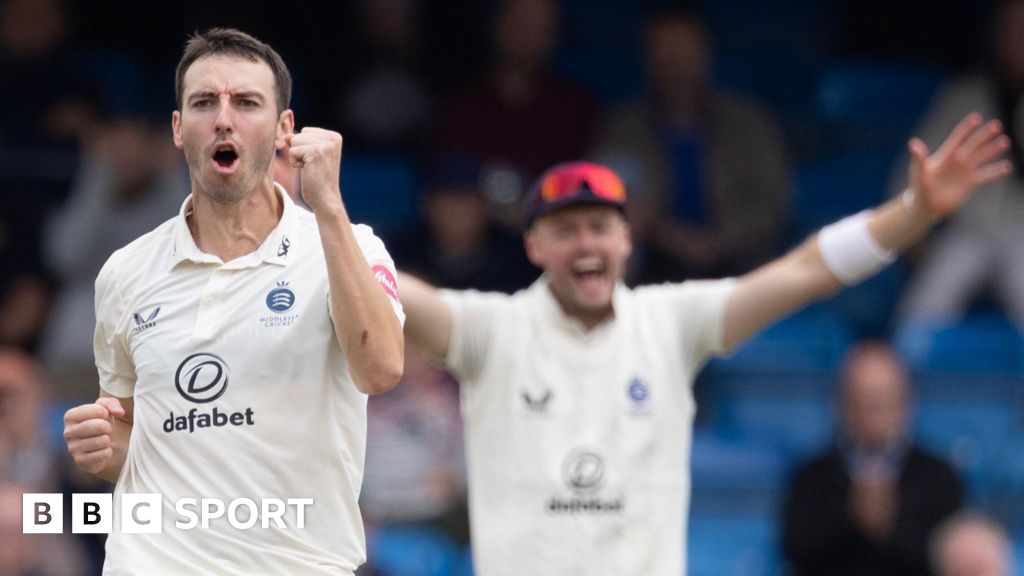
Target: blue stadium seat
[782,80]
[380,190]
[810,341]
[877,93]
[838,185]
[799,424]
[734,477]
[731,546]
[968,432]
[776,390]
[1002,484]
[979,343]
[411,551]
[874,105]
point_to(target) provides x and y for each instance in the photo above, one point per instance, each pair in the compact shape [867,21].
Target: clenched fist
[317,154]
[88,430]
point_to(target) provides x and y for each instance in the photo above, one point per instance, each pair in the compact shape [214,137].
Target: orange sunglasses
[568,182]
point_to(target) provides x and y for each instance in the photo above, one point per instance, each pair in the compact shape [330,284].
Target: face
[17,551]
[677,55]
[527,30]
[874,400]
[457,218]
[583,250]
[19,401]
[229,126]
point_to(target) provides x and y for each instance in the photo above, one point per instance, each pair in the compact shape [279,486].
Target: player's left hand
[317,154]
[970,156]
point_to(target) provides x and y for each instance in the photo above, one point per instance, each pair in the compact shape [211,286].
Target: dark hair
[232,42]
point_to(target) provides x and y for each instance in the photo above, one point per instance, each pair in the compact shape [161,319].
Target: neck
[589,318]
[229,231]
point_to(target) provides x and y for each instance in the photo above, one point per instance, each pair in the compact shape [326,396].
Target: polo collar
[275,249]
[542,288]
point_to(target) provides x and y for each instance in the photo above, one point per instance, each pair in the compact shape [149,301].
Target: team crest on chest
[280,300]
[639,394]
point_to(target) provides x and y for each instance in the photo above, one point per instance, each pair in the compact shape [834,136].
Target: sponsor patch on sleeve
[386,280]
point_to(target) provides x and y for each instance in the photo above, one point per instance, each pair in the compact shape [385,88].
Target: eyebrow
[248,94]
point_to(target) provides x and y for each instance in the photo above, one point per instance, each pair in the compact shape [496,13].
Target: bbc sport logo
[143,513]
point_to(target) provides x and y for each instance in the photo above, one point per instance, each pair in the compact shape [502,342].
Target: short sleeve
[474,318]
[110,341]
[382,265]
[698,311]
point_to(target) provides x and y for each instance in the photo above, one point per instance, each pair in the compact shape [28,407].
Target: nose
[224,121]
[586,240]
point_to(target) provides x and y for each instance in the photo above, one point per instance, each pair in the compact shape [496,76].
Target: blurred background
[740,127]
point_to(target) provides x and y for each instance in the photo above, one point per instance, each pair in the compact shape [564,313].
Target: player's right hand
[87,431]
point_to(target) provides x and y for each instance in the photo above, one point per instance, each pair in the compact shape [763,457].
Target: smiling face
[229,126]
[583,250]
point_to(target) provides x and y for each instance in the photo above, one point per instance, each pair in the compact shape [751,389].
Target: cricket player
[237,343]
[577,393]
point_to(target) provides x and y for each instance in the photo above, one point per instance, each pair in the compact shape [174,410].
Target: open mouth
[225,157]
[590,268]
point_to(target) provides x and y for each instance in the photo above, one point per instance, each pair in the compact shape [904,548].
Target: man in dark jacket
[868,505]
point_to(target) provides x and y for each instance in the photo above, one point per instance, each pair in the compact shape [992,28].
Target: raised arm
[428,321]
[854,248]
[365,325]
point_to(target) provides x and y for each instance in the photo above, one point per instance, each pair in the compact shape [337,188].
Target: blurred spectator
[415,468]
[30,461]
[33,554]
[980,246]
[387,104]
[501,116]
[130,174]
[706,169]
[869,504]
[27,456]
[971,545]
[42,112]
[51,107]
[456,244]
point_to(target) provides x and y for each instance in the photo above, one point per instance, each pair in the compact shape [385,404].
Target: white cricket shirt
[578,442]
[241,391]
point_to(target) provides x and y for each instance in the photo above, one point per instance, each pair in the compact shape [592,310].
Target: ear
[534,248]
[628,238]
[285,128]
[176,129]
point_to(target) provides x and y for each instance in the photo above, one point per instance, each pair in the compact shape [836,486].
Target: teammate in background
[577,391]
[236,343]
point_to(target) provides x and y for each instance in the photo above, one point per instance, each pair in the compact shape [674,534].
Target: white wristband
[850,252]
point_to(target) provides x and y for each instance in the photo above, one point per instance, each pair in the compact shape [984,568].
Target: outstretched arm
[939,184]
[428,320]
